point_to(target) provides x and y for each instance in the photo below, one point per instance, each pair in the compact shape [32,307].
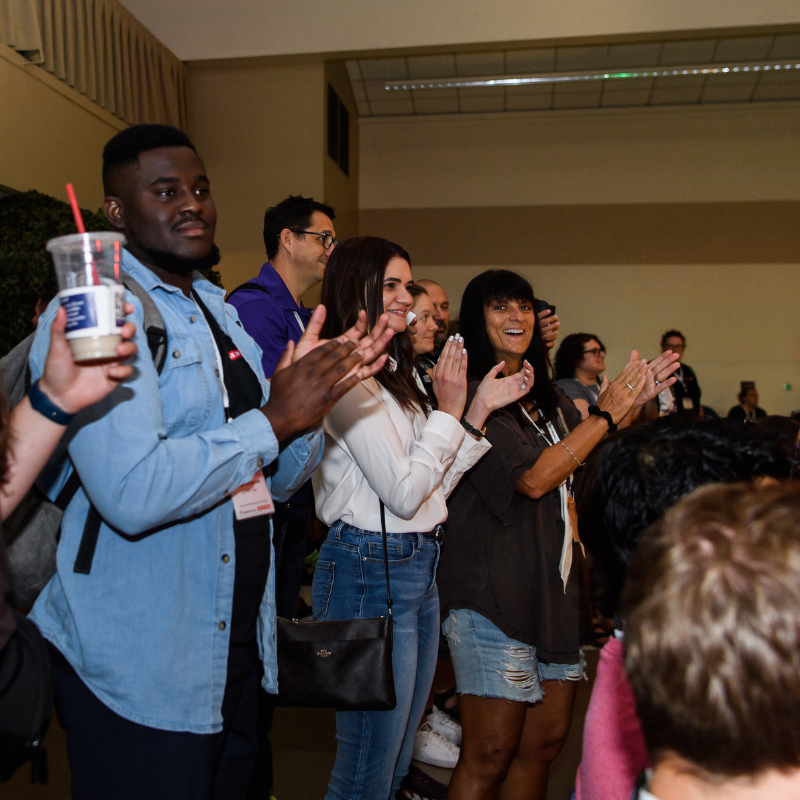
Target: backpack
[26,682]
[32,531]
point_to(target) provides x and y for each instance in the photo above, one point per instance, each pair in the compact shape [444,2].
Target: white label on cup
[93,310]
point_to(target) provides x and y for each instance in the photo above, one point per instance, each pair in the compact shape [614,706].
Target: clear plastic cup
[87,268]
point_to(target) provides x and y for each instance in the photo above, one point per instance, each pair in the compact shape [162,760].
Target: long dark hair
[570,353]
[354,281]
[481,291]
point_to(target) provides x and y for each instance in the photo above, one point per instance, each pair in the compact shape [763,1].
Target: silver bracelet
[572,454]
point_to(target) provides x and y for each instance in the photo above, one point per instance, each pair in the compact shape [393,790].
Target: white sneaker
[446,725]
[432,747]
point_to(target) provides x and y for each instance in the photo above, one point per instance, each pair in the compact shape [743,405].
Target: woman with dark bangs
[385,447]
[511,581]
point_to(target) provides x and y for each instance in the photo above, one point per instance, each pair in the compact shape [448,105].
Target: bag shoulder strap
[157,343]
[154,327]
[386,559]
[249,285]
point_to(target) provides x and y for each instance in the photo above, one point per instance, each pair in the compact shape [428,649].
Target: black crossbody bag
[342,664]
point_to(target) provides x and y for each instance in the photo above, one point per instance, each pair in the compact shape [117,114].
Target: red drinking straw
[76,212]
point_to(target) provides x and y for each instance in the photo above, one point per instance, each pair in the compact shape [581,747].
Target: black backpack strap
[257,286]
[157,343]
[91,531]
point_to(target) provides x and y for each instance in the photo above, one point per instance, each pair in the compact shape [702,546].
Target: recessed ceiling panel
[614,99]
[393,107]
[472,103]
[436,105]
[576,99]
[785,47]
[383,69]
[581,58]
[353,71]
[432,66]
[529,101]
[634,55]
[737,93]
[743,48]
[686,96]
[519,61]
[471,64]
[777,91]
[694,51]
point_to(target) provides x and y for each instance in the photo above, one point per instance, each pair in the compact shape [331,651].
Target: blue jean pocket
[322,588]
[397,550]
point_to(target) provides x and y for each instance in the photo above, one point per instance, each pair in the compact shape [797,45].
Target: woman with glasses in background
[580,361]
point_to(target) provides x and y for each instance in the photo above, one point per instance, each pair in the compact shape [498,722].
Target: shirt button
[226,558]
[216,372]
[193,318]
[260,462]
[221,626]
[176,353]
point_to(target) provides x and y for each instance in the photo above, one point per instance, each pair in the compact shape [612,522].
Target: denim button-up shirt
[144,629]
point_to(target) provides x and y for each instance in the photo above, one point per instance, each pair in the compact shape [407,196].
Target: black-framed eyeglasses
[595,351]
[327,240]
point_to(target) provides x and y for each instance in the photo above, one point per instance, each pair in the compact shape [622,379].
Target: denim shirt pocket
[186,391]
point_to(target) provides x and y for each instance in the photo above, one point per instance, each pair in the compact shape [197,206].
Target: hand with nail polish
[494,392]
[450,377]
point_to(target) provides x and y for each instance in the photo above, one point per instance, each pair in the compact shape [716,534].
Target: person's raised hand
[494,392]
[619,396]
[72,386]
[450,378]
[303,392]
[658,377]
[370,343]
[549,324]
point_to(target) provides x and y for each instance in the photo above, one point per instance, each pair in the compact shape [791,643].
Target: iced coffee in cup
[88,268]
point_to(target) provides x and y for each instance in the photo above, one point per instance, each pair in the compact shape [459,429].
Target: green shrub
[27,221]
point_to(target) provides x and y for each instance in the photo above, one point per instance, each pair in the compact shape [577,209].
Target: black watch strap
[598,412]
[469,428]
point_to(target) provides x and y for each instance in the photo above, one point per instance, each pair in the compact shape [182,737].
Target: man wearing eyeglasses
[299,238]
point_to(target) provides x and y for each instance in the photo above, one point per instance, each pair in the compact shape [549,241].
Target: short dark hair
[570,352]
[671,335]
[415,290]
[354,282]
[126,147]
[293,212]
[712,631]
[490,287]
[633,477]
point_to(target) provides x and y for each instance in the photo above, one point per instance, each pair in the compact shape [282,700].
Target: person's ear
[114,211]
[286,240]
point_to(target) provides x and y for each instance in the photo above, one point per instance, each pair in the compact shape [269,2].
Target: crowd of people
[520,512]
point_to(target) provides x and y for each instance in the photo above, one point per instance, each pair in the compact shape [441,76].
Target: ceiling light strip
[598,75]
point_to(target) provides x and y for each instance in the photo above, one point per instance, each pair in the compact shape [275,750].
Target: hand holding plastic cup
[87,267]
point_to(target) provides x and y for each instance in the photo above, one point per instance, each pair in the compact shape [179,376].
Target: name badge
[252,499]
[687,403]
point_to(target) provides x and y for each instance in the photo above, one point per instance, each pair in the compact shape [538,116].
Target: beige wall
[49,134]
[195,29]
[261,130]
[629,222]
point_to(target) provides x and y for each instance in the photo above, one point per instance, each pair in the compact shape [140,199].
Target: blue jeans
[374,747]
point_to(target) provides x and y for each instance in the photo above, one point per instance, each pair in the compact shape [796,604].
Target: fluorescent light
[598,75]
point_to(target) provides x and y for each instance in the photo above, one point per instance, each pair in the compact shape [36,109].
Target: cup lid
[72,240]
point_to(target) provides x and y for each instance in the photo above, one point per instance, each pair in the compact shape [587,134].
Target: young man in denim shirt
[156,645]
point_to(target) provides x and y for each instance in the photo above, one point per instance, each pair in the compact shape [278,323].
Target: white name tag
[252,499]
[687,403]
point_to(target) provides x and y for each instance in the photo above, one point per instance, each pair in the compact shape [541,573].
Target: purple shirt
[271,319]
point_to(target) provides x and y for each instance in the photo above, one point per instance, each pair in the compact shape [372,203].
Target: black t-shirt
[252,535]
[501,551]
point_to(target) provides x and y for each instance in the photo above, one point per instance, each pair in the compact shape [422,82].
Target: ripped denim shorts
[488,663]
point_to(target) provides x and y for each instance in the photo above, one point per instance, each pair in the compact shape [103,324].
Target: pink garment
[613,747]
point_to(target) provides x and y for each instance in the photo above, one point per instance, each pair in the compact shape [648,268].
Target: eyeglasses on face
[595,351]
[327,240]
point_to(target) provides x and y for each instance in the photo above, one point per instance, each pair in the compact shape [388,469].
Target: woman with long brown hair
[383,445]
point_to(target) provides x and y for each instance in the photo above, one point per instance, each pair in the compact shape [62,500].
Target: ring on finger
[658,382]
[629,386]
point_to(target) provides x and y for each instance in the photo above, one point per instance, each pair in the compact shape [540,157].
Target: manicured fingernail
[464,350]
[450,339]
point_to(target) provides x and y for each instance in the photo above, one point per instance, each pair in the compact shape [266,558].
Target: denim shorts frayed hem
[487,663]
